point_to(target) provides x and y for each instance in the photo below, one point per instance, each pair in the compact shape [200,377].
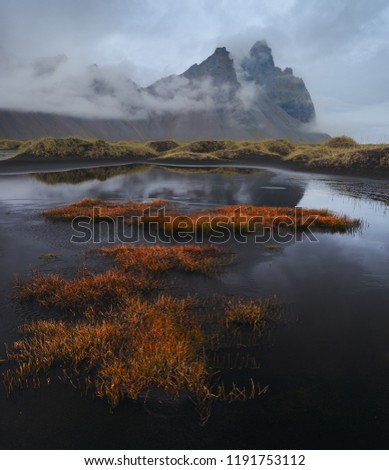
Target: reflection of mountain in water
[245,186]
[88,174]
[205,186]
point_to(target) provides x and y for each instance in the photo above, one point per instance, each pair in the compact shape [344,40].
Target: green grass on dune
[340,152]
[8,144]
[50,147]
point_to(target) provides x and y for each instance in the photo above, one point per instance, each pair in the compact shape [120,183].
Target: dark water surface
[328,367]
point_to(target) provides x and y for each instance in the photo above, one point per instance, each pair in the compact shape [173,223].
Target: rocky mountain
[281,86]
[219,67]
[207,101]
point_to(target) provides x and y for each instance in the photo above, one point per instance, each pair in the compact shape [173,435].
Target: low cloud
[340,48]
[55,85]
[48,65]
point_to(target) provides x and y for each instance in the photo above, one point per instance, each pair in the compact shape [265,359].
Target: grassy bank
[7,144]
[72,147]
[335,153]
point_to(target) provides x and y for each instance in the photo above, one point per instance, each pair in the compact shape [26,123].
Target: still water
[327,368]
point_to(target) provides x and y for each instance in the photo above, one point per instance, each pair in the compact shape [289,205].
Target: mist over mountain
[218,98]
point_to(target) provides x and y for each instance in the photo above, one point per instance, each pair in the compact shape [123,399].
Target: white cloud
[339,47]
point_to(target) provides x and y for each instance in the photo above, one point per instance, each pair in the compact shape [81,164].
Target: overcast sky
[339,47]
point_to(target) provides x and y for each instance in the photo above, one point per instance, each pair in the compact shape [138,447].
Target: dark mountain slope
[207,101]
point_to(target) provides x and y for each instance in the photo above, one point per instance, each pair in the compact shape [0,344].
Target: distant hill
[207,101]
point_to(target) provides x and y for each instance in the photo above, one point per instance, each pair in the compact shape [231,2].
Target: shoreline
[25,164]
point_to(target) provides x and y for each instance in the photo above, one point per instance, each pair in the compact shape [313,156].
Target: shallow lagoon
[327,367]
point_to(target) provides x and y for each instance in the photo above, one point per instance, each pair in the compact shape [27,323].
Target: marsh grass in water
[122,344]
[126,339]
[245,218]
[136,273]
[139,345]
[257,314]
[237,218]
[105,209]
[190,258]
[88,289]
[135,348]
[49,257]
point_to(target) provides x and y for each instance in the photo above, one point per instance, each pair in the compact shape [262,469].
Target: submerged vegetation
[338,152]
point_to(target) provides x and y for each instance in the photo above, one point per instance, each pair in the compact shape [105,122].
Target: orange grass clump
[99,291]
[228,217]
[142,345]
[252,218]
[256,314]
[190,258]
[103,210]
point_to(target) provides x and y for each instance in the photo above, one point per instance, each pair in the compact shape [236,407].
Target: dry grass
[190,258]
[72,147]
[136,347]
[8,144]
[163,145]
[256,314]
[87,290]
[242,218]
[122,345]
[132,350]
[142,345]
[340,152]
[341,141]
[103,209]
[251,218]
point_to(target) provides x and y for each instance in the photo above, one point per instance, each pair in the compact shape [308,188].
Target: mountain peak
[221,50]
[205,102]
[260,47]
[259,64]
[219,67]
[281,86]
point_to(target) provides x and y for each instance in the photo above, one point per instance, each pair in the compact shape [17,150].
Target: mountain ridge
[207,101]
